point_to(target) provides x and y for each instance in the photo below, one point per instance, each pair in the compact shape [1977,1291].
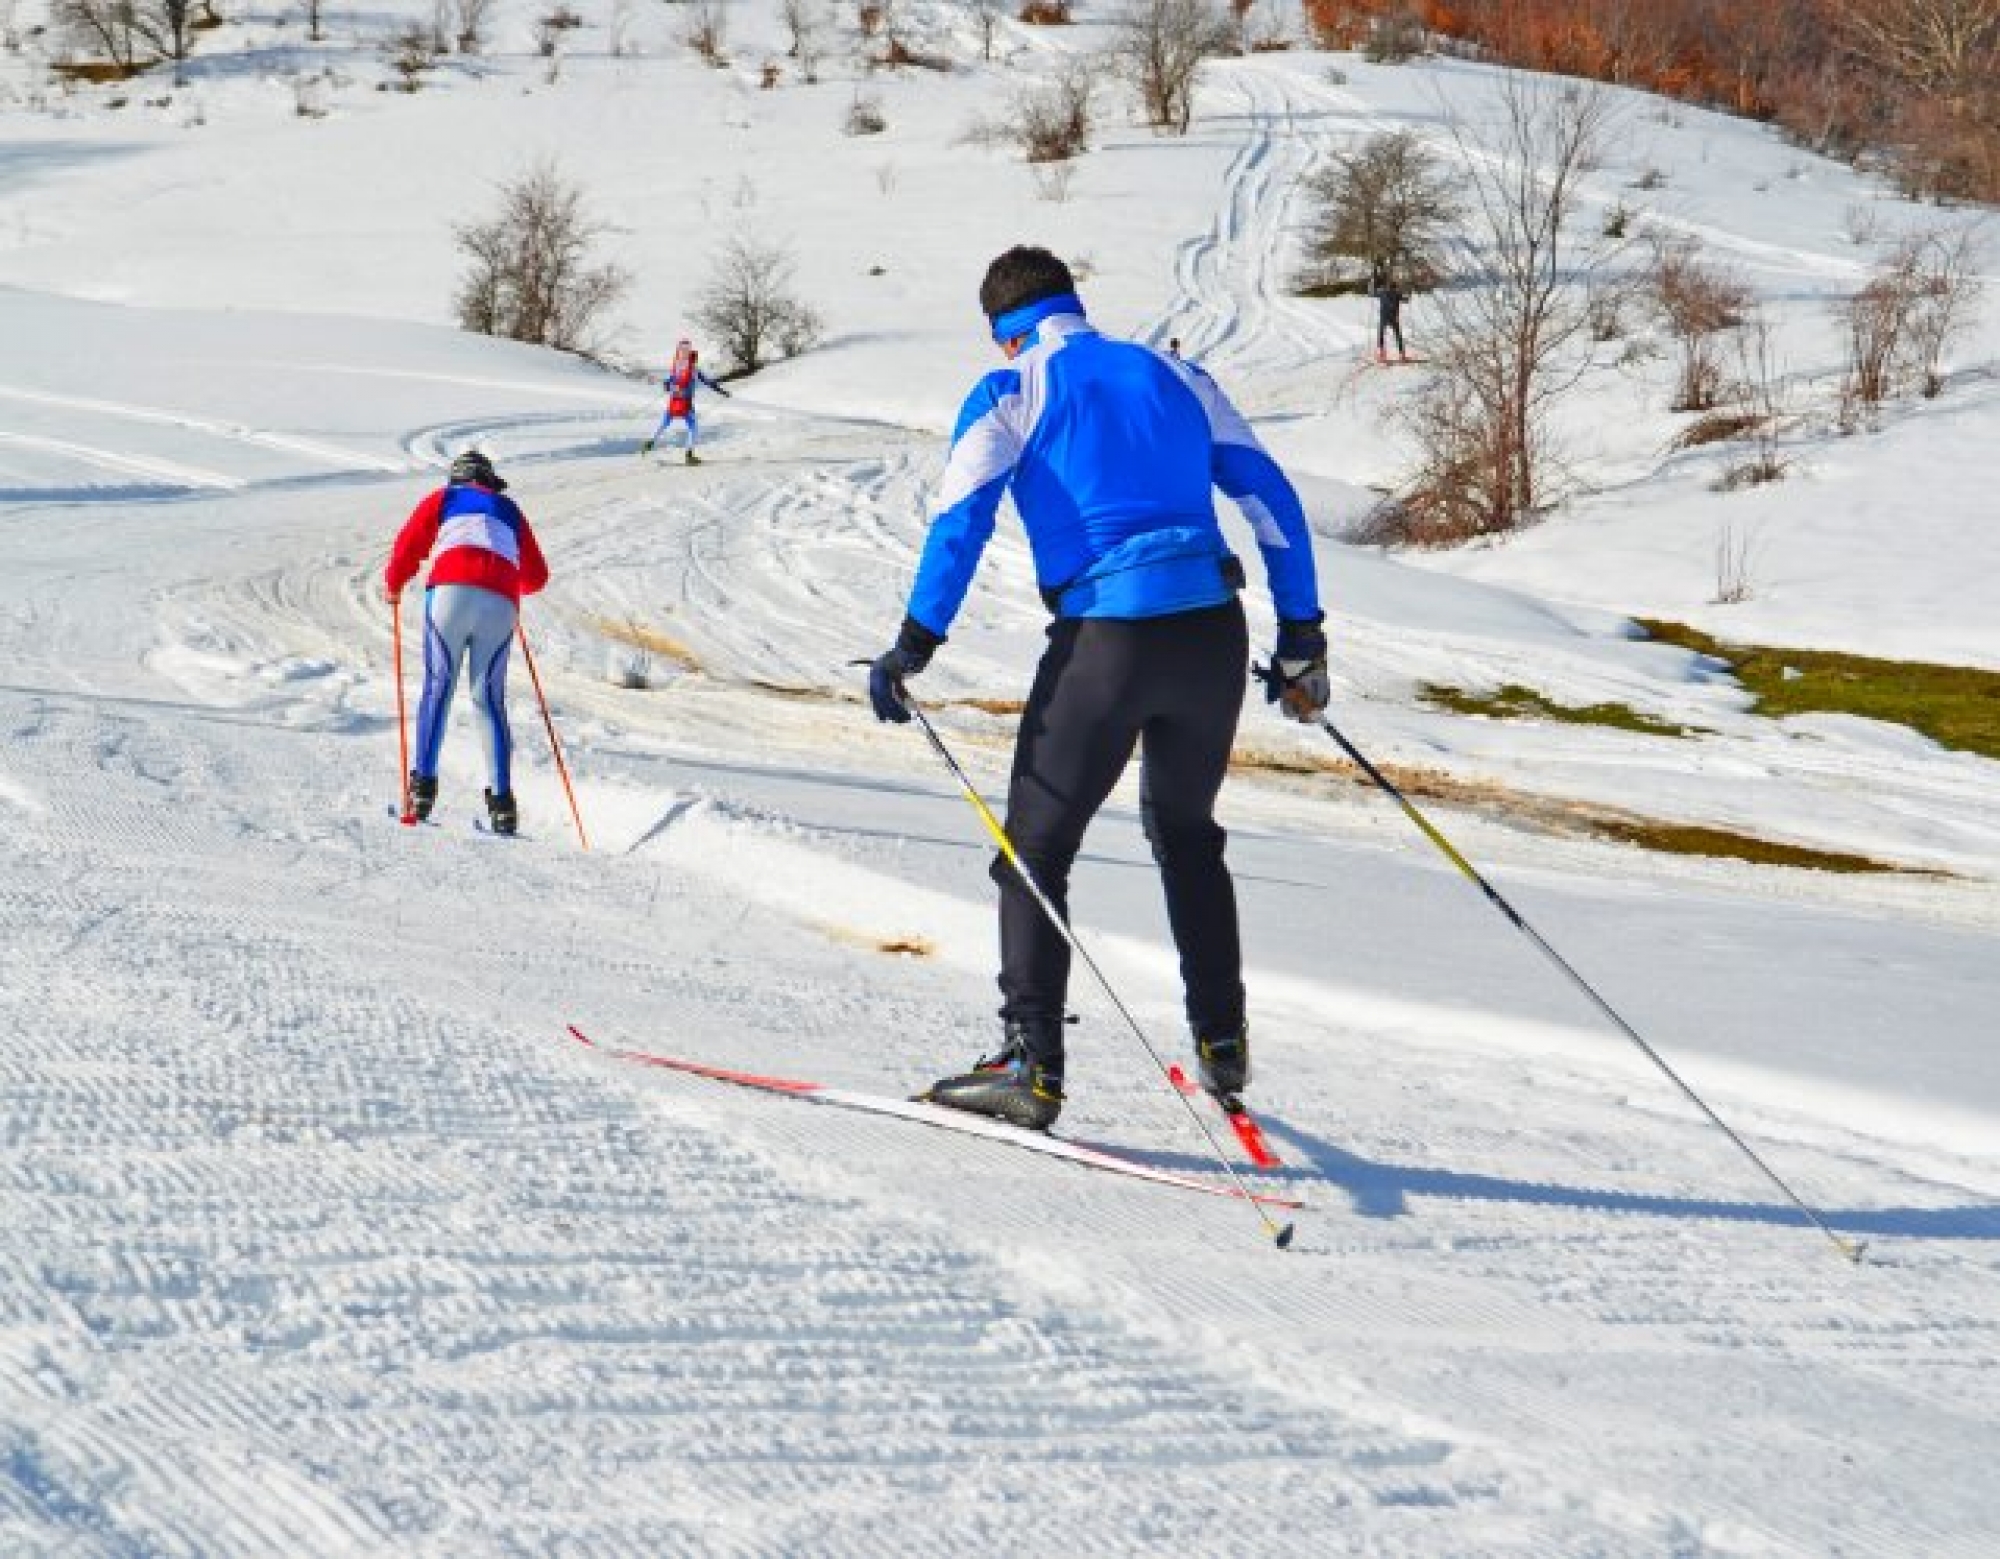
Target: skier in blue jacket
[1110,450]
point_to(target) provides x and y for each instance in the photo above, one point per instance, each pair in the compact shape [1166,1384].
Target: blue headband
[1018,322]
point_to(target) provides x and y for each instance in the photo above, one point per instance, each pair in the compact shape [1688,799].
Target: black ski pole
[1281,1235]
[1851,1249]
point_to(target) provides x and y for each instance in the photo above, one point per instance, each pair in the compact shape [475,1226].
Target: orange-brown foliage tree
[1915,80]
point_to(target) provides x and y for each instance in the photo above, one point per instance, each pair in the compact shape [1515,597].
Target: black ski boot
[1010,1085]
[693,459]
[423,794]
[1222,1063]
[502,813]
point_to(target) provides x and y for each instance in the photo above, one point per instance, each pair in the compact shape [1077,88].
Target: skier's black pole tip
[1283,1238]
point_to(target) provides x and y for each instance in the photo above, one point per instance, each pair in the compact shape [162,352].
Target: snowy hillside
[321,1237]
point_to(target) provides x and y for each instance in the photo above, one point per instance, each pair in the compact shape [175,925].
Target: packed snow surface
[322,1238]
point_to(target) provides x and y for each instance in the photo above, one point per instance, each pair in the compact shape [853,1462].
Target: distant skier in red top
[680,383]
[487,559]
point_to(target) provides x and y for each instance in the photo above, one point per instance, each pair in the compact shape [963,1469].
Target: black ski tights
[1172,687]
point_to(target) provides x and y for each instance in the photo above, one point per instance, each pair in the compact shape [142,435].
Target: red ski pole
[402,712]
[554,746]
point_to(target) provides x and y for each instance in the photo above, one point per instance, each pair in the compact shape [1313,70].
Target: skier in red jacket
[680,383]
[486,560]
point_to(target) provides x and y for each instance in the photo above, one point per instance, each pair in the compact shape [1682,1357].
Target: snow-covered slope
[321,1239]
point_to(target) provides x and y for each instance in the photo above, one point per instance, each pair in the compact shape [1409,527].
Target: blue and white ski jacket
[1111,450]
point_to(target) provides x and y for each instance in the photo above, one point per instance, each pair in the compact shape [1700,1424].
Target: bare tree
[1700,302]
[532,277]
[166,25]
[1511,338]
[1389,203]
[748,305]
[1942,46]
[108,28]
[1159,48]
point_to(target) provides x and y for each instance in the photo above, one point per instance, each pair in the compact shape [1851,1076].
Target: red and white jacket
[481,538]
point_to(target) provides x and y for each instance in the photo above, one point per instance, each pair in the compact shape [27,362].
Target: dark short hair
[1021,276]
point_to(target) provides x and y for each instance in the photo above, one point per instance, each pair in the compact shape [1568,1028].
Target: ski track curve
[1235,310]
[334,456]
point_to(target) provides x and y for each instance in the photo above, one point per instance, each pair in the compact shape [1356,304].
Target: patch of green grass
[1955,706]
[1690,839]
[1515,702]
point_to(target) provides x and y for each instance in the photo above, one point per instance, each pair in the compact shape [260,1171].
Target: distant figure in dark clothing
[1388,316]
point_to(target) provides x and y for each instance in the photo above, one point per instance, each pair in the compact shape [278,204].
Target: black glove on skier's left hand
[912,652]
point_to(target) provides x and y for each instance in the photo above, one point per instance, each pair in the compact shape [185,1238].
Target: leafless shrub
[411,51]
[1051,121]
[706,31]
[986,17]
[749,306]
[1650,178]
[1715,427]
[805,25]
[1700,303]
[1948,285]
[1606,305]
[1159,46]
[618,42]
[1861,225]
[1762,391]
[864,115]
[532,277]
[473,16]
[1394,38]
[1389,203]
[1053,181]
[1504,348]
[308,95]
[1877,321]
[550,27]
[1735,550]
[1045,13]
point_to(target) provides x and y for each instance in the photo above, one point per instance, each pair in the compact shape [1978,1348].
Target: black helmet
[475,469]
